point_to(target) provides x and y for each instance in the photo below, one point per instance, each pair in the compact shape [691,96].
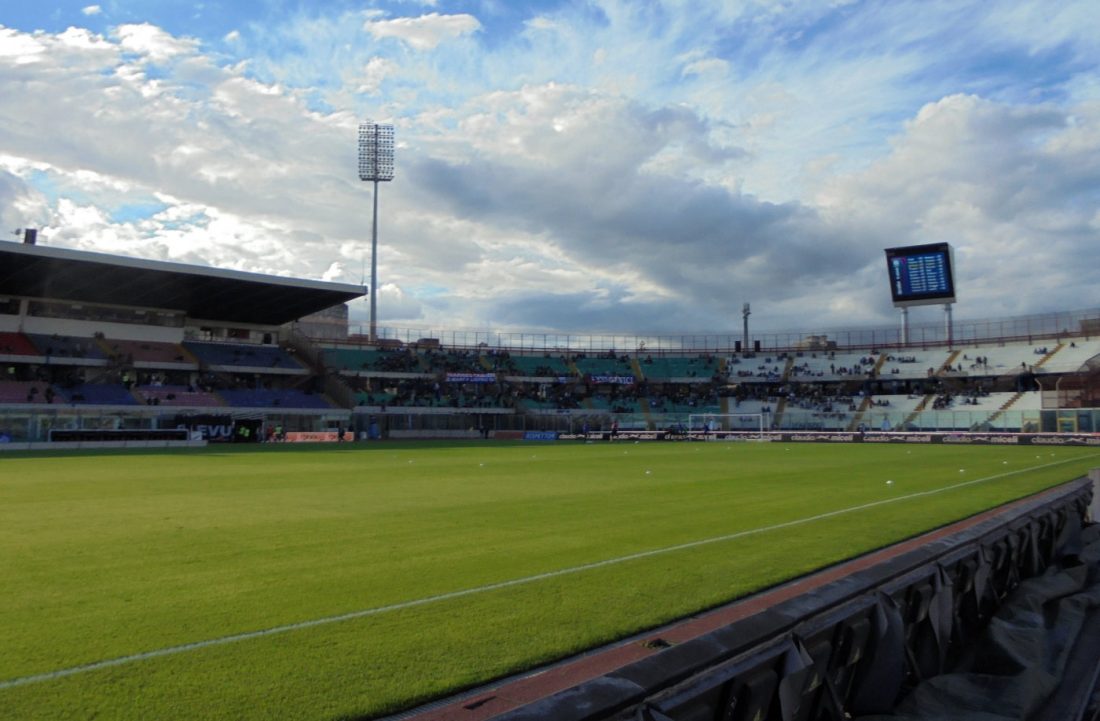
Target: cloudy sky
[601,165]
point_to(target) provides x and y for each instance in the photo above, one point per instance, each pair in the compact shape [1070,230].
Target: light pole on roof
[375,165]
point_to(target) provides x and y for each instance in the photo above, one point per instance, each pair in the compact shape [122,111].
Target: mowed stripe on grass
[293,537]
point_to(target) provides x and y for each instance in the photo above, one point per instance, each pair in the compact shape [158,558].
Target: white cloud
[965,171]
[707,66]
[153,42]
[375,72]
[18,47]
[92,10]
[541,22]
[583,168]
[426,31]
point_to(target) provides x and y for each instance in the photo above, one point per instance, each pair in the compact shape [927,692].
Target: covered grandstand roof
[205,293]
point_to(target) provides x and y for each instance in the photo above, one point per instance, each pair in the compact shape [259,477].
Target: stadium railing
[930,334]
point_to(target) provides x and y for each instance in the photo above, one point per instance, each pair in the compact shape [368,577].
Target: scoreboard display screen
[921,274]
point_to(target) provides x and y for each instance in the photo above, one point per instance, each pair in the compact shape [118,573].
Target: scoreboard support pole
[905,326]
[948,327]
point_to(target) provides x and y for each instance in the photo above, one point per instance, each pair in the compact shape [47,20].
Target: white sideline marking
[378,610]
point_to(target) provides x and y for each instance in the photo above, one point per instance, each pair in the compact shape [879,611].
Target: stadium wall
[88,329]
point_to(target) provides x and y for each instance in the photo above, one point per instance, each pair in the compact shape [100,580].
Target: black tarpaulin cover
[1016,667]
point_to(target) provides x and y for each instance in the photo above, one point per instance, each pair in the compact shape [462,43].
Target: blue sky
[605,166]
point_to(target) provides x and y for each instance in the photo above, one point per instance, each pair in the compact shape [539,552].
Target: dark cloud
[698,242]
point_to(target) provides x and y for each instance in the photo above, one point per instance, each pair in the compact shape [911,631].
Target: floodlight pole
[374,269]
[745,313]
[376,165]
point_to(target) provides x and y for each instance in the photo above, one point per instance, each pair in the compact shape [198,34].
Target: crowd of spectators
[606,381]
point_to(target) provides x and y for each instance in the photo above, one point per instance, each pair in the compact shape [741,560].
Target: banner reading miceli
[317,436]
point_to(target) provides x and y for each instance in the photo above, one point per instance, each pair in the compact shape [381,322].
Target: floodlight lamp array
[375,151]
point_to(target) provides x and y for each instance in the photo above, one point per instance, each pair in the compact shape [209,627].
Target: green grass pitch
[133,585]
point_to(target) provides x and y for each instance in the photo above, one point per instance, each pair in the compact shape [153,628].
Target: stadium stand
[176,396]
[100,394]
[66,347]
[16,344]
[90,346]
[679,368]
[352,359]
[544,366]
[236,356]
[272,398]
[607,364]
[18,392]
[151,354]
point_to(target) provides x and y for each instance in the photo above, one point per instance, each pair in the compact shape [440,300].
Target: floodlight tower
[745,313]
[376,165]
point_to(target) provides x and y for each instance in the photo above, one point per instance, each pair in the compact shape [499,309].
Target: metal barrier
[931,333]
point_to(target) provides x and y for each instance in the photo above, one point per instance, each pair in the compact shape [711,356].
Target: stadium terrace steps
[348,359]
[828,366]
[176,396]
[675,368]
[928,398]
[271,359]
[147,353]
[1071,357]
[1006,359]
[101,394]
[97,360]
[860,412]
[16,344]
[536,366]
[780,409]
[1000,411]
[589,365]
[949,363]
[59,346]
[26,392]
[270,398]
[1047,356]
[910,364]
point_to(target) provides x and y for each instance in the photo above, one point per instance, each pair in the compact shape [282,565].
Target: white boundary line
[379,610]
